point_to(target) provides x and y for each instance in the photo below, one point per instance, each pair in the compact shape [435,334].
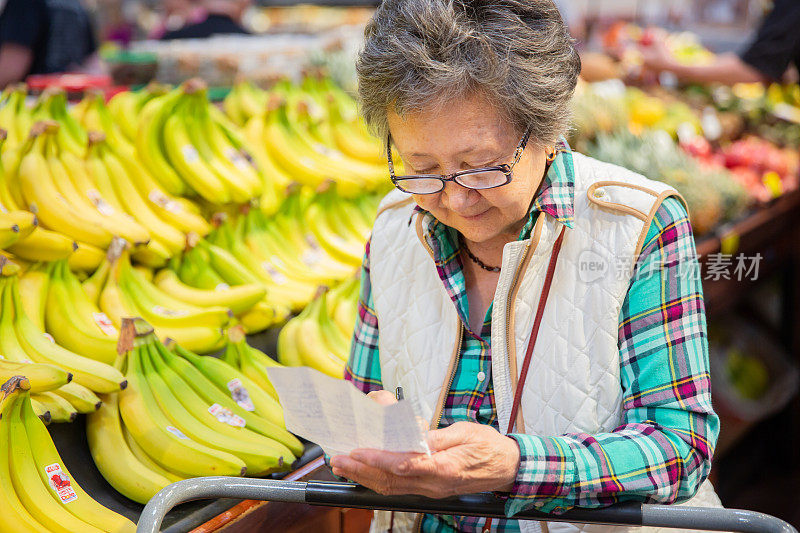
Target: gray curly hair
[423,53]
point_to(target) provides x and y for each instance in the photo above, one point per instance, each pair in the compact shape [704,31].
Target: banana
[115,460]
[75,322]
[172,238]
[251,362]
[10,346]
[151,138]
[261,456]
[38,189]
[61,411]
[92,198]
[24,221]
[156,305]
[97,376]
[42,377]
[153,255]
[33,493]
[94,284]
[116,303]
[232,173]
[43,245]
[145,459]
[238,299]
[155,433]
[33,287]
[15,517]
[287,343]
[221,373]
[82,399]
[232,395]
[263,315]
[83,507]
[313,342]
[186,159]
[178,212]
[86,258]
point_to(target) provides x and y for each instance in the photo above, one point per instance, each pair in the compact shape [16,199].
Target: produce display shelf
[70,439]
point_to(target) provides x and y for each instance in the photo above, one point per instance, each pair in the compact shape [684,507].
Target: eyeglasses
[474,178]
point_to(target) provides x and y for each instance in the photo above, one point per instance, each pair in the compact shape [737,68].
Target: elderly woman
[540,308]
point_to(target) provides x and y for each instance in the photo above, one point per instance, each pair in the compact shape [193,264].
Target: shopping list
[340,418]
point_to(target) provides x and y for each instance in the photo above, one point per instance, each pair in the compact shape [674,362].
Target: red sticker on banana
[60,483]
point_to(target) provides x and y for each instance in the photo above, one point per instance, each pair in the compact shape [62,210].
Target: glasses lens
[419,185]
[482,180]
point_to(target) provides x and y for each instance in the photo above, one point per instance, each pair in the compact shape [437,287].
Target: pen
[398,393]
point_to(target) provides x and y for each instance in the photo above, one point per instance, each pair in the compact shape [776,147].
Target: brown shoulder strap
[537,322]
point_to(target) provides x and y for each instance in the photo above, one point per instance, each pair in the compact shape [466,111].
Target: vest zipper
[452,373]
[450,377]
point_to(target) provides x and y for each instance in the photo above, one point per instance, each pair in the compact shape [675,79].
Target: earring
[551,155]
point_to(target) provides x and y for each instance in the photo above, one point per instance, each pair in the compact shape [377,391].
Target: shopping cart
[350,495]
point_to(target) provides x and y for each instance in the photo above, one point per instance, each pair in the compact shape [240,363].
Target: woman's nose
[457,198]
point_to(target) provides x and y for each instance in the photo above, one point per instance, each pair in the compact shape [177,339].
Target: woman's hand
[467,457]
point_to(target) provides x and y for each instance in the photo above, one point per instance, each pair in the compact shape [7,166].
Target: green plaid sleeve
[363,368]
[662,450]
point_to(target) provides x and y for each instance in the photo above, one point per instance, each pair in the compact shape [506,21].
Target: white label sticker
[158,198]
[177,432]
[311,258]
[100,204]
[190,154]
[276,276]
[222,287]
[237,158]
[312,242]
[240,395]
[60,483]
[49,337]
[169,312]
[226,416]
[105,324]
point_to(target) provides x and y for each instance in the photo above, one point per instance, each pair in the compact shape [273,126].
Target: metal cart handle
[483,504]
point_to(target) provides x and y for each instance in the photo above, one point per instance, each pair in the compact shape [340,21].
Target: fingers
[401,464]
[442,439]
[381,481]
[383,397]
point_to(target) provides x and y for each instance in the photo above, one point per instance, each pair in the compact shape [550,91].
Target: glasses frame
[444,178]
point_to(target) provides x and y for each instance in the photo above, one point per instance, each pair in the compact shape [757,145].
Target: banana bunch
[188,149]
[244,101]
[73,319]
[37,492]
[182,416]
[127,292]
[94,115]
[315,339]
[250,361]
[207,274]
[15,116]
[309,242]
[23,339]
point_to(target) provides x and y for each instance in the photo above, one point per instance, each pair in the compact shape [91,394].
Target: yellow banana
[114,458]
[42,377]
[15,517]
[44,245]
[33,287]
[82,399]
[61,411]
[83,507]
[238,298]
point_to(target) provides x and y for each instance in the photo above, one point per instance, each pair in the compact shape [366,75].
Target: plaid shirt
[662,450]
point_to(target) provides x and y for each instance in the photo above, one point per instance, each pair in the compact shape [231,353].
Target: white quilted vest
[573,383]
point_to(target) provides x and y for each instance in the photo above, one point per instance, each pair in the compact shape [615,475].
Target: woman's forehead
[461,125]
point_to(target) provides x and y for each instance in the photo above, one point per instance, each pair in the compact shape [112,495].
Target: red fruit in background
[697,146]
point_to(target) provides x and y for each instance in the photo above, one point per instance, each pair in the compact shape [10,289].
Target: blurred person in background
[767,58]
[221,17]
[177,14]
[43,37]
